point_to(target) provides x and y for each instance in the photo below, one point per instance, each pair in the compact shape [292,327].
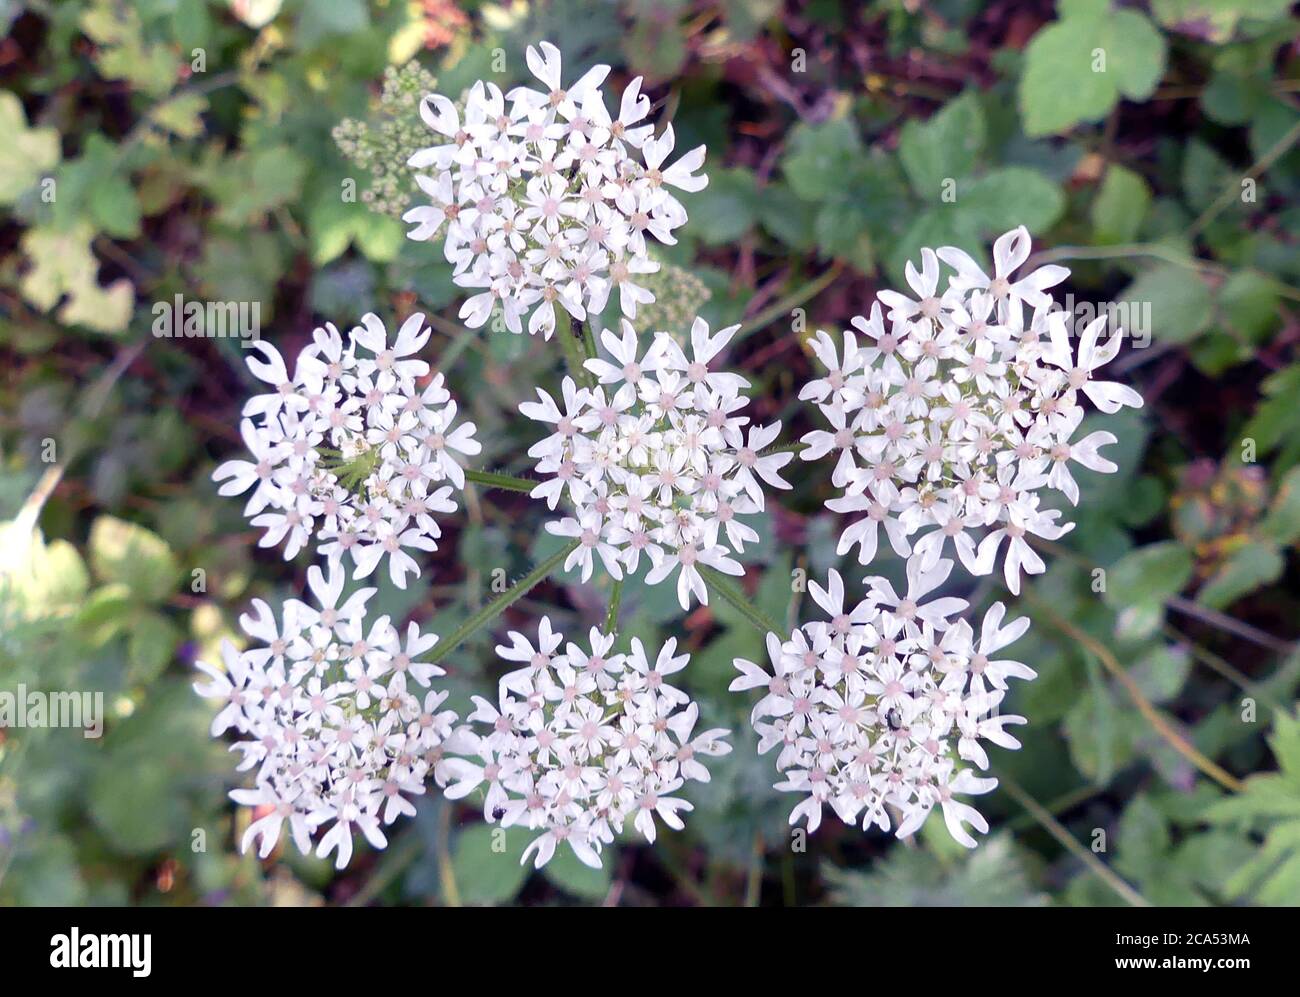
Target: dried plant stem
[1157,719]
[1058,831]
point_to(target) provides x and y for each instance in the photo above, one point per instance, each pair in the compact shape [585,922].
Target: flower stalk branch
[721,585]
[500,604]
[505,482]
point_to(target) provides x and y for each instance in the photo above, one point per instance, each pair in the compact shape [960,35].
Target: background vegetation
[1164,715]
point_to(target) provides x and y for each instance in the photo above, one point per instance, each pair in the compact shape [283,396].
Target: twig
[793,300]
[1233,626]
[1157,719]
[1054,827]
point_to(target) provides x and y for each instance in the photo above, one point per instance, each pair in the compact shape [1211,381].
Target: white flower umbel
[876,710]
[951,413]
[349,453]
[544,201]
[581,742]
[332,716]
[657,460]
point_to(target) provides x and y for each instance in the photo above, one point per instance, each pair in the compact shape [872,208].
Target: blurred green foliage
[168,147]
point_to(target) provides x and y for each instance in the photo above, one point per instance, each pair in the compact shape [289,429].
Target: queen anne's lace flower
[876,710]
[657,460]
[581,741]
[949,420]
[547,201]
[350,453]
[330,715]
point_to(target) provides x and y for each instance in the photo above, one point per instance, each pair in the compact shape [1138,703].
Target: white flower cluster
[953,417]
[657,460]
[328,717]
[549,203]
[349,451]
[581,742]
[876,710]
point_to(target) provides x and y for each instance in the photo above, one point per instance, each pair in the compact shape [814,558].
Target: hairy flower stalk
[580,742]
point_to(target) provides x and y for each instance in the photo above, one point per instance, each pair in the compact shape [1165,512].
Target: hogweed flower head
[581,742]
[380,146]
[658,460]
[957,407]
[877,709]
[333,716]
[545,202]
[349,453]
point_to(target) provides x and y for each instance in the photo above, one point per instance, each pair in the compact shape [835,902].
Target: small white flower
[544,206]
[946,429]
[876,708]
[579,745]
[351,454]
[323,714]
[656,460]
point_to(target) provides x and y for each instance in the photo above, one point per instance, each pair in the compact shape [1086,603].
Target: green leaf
[150,645]
[1150,574]
[1283,520]
[26,153]
[317,22]
[333,225]
[242,269]
[1215,20]
[486,863]
[121,52]
[252,183]
[1141,840]
[726,209]
[1272,800]
[1247,568]
[39,580]
[95,187]
[63,267]
[1250,301]
[134,556]
[821,156]
[993,875]
[153,783]
[1277,416]
[945,147]
[1077,68]
[1180,302]
[572,876]
[1120,206]
[181,115]
[1161,672]
[1099,733]
[1206,175]
[1231,99]
[1011,196]
[785,216]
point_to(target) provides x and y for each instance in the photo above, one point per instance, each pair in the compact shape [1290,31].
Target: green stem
[589,339]
[495,479]
[611,618]
[574,353]
[785,448]
[789,302]
[500,604]
[1054,827]
[721,585]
